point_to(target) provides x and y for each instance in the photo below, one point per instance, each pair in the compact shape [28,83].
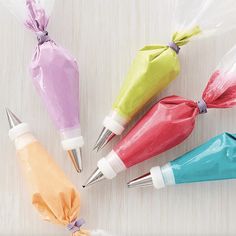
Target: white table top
[104,36]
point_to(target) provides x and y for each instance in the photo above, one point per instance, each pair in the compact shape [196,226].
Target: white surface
[104,35]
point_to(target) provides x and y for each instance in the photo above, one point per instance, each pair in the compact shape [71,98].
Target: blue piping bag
[213,160]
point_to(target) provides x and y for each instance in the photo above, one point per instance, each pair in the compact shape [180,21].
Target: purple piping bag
[55,76]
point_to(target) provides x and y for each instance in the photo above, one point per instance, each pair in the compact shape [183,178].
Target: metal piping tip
[96,176]
[12,118]
[142,181]
[105,137]
[75,156]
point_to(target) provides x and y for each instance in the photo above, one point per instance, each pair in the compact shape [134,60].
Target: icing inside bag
[52,193]
[213,160]
[54,74]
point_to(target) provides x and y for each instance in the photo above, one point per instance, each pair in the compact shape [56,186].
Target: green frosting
[154,67]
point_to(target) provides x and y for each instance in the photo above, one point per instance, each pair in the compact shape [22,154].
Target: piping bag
[169,122]
[55,75]
[155,66]
[213,160]
[52,193]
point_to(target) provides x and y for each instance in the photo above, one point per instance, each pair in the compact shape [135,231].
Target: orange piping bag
[52,193]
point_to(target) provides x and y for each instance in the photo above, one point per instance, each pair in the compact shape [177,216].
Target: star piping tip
[105,137]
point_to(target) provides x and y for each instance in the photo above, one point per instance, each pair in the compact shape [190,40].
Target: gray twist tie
[75,225]
[202,106]
[174,47]
[42,37]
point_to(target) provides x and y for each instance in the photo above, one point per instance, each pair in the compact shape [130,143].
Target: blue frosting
[214,160]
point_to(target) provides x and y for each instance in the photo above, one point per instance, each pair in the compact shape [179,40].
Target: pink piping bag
[169,122]
[55,76]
